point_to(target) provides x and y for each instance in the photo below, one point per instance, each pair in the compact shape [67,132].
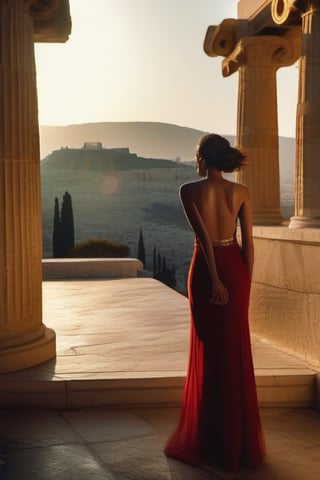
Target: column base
[267,218]
[304,222]
[28,354]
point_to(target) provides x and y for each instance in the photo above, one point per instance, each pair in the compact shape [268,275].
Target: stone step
[277,390]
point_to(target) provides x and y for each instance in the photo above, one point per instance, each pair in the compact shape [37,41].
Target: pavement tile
[296,427]
[128,445]
[162,420]
[293,464]
[30,428]
[100,425]
[143,459]
[144,468]
[149,447]
[67,462]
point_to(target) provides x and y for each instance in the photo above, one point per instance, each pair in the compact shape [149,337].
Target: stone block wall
[285,296]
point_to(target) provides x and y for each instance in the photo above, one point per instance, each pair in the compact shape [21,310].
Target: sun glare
[109,185]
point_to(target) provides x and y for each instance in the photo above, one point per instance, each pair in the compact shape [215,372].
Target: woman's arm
[245,217]
[219,291]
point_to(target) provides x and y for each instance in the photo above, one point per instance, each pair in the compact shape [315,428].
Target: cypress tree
[63,227]
[67,223]
[57,237]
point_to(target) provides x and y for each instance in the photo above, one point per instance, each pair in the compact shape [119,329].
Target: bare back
[218,203]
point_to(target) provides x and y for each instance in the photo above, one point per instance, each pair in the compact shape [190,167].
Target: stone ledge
[308,236]
[143,392]
[78,268]
[286,389]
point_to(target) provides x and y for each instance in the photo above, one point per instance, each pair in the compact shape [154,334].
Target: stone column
[257,60]
[307,175]
[24,340]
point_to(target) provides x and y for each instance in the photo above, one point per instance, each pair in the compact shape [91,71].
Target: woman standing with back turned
[219,420]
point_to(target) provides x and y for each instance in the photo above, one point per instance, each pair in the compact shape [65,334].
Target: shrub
[98,248]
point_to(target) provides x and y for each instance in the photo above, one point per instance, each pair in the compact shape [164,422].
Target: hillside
[117,191]
[103,160]
[147,139]
[115,203]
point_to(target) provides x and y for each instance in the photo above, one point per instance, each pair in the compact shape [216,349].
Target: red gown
[219,420]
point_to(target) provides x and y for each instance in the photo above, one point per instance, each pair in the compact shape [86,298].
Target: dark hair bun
[217,153]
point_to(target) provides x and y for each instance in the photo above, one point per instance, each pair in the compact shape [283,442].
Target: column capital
[51,18]
[222,39]
[265,51]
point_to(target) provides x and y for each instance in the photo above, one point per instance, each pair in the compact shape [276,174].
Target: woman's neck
[214,175]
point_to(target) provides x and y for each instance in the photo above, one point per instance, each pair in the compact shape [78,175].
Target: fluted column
[307,175]
[24,340]
[257,60]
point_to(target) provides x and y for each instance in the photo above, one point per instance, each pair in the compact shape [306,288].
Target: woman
[219,421]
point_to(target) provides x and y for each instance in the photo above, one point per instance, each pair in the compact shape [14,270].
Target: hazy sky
[143,60]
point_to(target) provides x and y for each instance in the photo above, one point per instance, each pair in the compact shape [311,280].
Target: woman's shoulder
[190,186]
[240,188]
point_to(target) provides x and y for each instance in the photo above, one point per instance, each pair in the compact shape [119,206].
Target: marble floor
[104,444]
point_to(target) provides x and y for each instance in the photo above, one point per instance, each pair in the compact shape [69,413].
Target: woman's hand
[220,295]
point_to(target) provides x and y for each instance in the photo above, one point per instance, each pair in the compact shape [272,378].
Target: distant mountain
[146,139]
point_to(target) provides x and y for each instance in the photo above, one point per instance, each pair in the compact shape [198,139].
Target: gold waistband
[220,243]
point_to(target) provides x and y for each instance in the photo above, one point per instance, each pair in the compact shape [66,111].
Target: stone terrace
[124,342]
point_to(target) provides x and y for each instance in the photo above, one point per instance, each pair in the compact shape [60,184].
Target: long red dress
[219,421]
